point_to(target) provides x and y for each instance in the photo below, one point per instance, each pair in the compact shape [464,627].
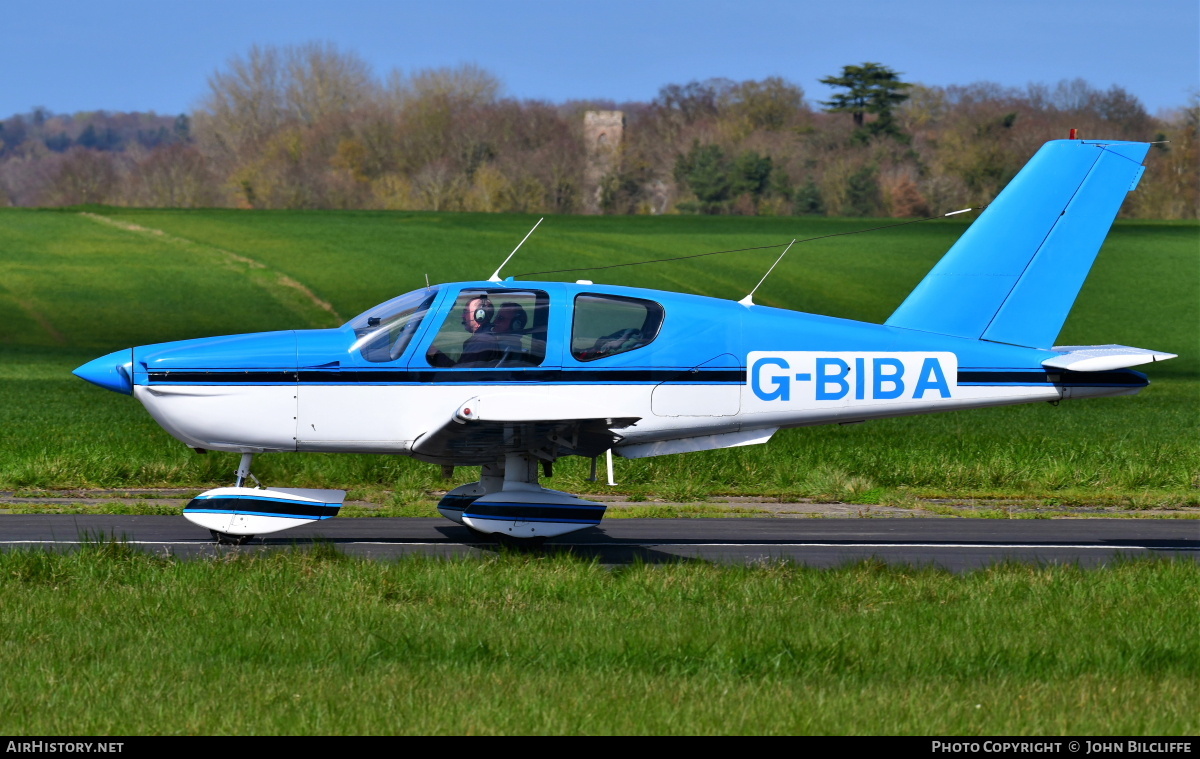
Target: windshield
[384,332]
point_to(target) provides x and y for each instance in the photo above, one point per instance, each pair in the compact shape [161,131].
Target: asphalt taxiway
[953,544]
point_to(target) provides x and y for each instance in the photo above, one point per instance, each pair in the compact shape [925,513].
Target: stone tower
[602,134]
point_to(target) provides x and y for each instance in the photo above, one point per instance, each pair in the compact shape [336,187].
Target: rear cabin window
[606,325]
[492,329]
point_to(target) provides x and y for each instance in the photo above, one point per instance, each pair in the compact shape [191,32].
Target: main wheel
[518,544]
[225,539]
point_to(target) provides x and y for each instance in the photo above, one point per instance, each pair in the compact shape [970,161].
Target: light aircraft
[513,375]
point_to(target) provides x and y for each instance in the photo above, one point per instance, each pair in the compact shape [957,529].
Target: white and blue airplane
[513,375]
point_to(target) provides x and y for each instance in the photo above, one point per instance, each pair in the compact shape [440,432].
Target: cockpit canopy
[383,332]
[492,328]
[504,327]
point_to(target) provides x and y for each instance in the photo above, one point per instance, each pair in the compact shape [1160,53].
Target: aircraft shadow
[606,549]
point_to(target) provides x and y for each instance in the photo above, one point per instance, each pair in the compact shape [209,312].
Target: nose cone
[112,372]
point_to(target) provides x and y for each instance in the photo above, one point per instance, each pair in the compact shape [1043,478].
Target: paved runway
[954,544]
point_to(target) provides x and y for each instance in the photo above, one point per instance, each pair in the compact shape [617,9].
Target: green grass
[110,641]
[73,286]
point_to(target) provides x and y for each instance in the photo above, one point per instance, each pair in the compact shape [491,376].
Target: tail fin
[1015,273]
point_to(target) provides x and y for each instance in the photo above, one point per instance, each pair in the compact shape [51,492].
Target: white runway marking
[899,544]
[786,545]
[128,542]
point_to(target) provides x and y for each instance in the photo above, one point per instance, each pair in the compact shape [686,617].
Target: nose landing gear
[226,539]
[236,515]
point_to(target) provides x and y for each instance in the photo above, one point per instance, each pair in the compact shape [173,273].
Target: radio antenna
[496,274]
[749,299]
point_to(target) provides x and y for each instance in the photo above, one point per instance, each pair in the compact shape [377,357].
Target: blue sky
[124,55]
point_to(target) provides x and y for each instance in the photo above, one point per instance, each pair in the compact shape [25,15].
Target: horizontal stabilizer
[1015,273]
[1101,358]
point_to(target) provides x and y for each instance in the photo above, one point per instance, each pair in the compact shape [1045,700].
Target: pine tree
[871,88]
[705,169]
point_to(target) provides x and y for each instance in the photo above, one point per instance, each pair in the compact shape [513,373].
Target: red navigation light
[1073,133]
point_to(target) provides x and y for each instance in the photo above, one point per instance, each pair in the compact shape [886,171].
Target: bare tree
[83,176]
[465,85]
[772,104]
[321,81]
[244,105]
[438,186]
[272,87]
[173,176]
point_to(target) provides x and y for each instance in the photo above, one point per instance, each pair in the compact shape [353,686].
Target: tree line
[312,126]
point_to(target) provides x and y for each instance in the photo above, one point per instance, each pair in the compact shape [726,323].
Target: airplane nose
[112,372]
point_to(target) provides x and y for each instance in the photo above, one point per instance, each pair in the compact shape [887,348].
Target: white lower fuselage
[390,418]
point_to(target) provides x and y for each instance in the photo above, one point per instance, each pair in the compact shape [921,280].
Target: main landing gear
[508,502]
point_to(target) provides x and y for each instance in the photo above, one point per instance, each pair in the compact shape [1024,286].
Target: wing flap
[469,438]
[692,444]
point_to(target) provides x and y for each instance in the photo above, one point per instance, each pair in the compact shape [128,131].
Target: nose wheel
[226,539]
[243,473]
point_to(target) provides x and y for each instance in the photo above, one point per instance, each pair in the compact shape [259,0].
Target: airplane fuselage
[513,375]
[714,368]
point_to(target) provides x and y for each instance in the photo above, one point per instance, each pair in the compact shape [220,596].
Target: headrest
[520,319]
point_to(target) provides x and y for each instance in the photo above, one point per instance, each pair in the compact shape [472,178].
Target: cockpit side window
[606,325]
[492,328]
[385,331]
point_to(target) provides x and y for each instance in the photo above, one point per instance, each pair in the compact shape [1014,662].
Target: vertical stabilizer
[1015,273]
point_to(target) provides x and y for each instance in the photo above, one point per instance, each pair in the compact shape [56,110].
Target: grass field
[107,641]
[110,641]
[74,285]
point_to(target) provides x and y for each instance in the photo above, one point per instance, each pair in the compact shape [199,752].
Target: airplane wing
[485,427]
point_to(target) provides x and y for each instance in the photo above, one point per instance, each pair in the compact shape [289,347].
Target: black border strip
[457,502]
[465,376]
[520,511]
[263,506]
[1121,377]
